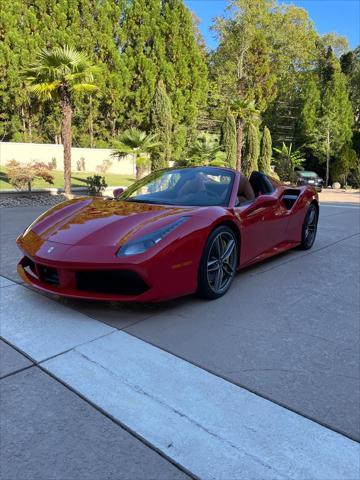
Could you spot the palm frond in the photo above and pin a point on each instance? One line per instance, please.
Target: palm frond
(44, 91)
(62, 66)
(83, 88)
(135, 141)
(120, 149)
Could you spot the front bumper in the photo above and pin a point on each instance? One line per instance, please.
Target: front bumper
(112, 284)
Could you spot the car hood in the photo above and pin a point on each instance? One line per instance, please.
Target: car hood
(101, 221)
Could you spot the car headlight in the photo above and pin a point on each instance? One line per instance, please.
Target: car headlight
(142, 244)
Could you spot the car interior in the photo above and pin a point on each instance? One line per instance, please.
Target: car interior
(249, 189)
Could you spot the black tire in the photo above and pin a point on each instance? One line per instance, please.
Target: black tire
(218, 263)
(309, 228)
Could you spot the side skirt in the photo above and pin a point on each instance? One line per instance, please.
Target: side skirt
(280, 248)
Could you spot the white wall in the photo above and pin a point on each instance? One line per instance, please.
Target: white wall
(27, 152)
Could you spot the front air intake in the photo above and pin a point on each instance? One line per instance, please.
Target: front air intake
(117, 282)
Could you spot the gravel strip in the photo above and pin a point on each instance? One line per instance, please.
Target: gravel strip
(30, 200)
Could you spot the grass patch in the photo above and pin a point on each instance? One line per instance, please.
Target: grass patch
(78, 179)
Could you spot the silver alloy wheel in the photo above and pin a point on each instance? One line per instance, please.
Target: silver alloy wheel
(311, 226)
(221, 262)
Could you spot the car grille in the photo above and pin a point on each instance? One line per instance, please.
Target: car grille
(120, 282)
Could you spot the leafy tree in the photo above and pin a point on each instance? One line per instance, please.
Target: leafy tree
(266, 152)
(162, 126)
(229, 138)
(22, 175)
(252, 150)
(344, 162)
(242, 64)
(136, 142)
(287, 160)
(334, 123)
(58, 75)
(311, 103)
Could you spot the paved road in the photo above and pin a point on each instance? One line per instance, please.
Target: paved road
(288, 329)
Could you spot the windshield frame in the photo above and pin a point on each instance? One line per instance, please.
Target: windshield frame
(126, 195)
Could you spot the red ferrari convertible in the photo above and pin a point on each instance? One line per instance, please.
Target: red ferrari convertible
(175, 232)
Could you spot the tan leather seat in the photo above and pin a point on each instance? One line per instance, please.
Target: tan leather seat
(245, 191)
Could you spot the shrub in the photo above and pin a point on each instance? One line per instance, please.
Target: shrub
(96, 184)
(21, 175)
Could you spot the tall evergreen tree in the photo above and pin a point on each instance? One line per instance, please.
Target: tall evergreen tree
(334, 124)
(311, 102)
(162, 126)
(229, 138)
(161, 42)
(266, 152)
(251, 150)
(350, 66)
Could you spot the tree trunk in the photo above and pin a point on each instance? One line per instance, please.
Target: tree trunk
(66, 137)
(327, 158)
(239, 142)
(91, 123)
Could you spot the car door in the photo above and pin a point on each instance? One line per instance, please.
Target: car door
(263, 223)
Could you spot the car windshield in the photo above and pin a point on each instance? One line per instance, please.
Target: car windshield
(308, 174)
(198, 186)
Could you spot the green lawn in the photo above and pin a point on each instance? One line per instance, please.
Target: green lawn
(78, 179)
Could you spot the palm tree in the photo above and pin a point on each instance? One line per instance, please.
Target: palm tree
(287, 160)
(57, 75)
(138, 143)
(206, 151)
(244, 112)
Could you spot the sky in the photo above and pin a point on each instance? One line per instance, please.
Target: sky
(339, 16)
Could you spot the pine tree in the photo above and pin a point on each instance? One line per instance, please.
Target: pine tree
(266, 152)
(229, 138)
(162, 126)
(251, 150)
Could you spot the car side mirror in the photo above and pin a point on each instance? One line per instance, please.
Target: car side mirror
(118, 191)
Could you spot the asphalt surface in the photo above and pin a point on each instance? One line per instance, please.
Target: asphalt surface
(287, 330)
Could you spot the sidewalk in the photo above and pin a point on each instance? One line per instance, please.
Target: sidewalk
(57, 410)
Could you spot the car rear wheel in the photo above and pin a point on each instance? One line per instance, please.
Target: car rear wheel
(309, 228)
(218, 263)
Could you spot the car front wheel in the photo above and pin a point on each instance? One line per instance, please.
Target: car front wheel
(218, 263)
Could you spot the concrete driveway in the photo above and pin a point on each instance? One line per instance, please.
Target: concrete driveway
(287, 330)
